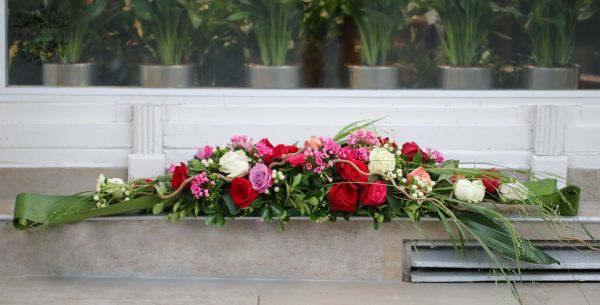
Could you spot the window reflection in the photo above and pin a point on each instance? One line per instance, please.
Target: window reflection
(377, 44)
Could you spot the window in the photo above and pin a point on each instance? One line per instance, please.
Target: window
(378, 44)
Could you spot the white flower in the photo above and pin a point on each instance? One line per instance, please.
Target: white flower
(117, 181)
(100, 182)
(235, 163)
(514, 191)
(381, 161)
(469, 191)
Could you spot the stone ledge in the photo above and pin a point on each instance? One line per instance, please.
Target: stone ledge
(113, 291)
(149, 246)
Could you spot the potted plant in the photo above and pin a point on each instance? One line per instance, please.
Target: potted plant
(550, 25)
(274, 23)
(322, 23)
(61, 31)
(464, 38)
(377, 21)
(167, 25)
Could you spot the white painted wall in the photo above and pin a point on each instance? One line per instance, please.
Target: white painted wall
(83, 127)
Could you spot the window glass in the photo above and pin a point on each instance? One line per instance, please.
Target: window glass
(360, 44)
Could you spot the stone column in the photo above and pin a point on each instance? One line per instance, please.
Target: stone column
(147, 158)
(548, 156)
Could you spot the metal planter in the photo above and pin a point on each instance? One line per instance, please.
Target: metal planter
(69, 74)
(273, 77)
(167, 76)
(374, 77)
(465, 78)
(551, 78)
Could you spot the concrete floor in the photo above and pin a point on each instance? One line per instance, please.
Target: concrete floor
(107, 291)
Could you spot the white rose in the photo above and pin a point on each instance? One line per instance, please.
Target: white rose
(381, 161)
(469, 191)
(115, 187)
(234, 163)
(514, 191)
(117, 181)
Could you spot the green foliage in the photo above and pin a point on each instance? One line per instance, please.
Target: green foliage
(465, 25)
(170, 22)
(550, 25)
(61, 30)
(273, 22)
(377, 22)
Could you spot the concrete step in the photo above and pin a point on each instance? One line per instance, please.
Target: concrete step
(150, 246)
(119, 291)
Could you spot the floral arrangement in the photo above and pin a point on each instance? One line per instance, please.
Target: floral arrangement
(356, 173)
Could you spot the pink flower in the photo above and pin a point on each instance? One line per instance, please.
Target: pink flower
(264, 148)
(205, 152)
(260, 178)
(241, 142)
(435, 154)
(198, 186)
(363, 137)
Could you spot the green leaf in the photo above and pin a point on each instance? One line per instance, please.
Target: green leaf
(395, 203)
(176, 206)
(266, 214)
(277, 211)
(297, 180)
(257, 204)
(313, 201)
(231, 207)
(501, 238)
(219, 220)
(158, 208)
(211, 219)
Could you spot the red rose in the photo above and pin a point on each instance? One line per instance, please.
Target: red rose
(297, 160)
(492, 181)
(373, 194)
(410, 149)
(281, 150)
(343, 197)
(241, 192)
(266, 142)
(179, 175)
(350, 174)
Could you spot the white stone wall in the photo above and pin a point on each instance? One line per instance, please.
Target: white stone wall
(117, 127)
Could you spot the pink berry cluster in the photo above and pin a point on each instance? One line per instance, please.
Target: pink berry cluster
(241, 142)
(435, 154)
(200, 185)
(317, 159)
(363, 138)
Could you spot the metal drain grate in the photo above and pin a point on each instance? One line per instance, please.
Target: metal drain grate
(426, 263)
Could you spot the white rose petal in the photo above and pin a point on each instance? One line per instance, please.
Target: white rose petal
(381, 161)
(469, 191)
(235, 164)
(514, 191)
(117, 181)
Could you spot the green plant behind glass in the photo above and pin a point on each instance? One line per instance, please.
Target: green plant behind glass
(274, 22)
(69, 29)
(170, 25)
(465, 25)
(377, 21)
(550, 25)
